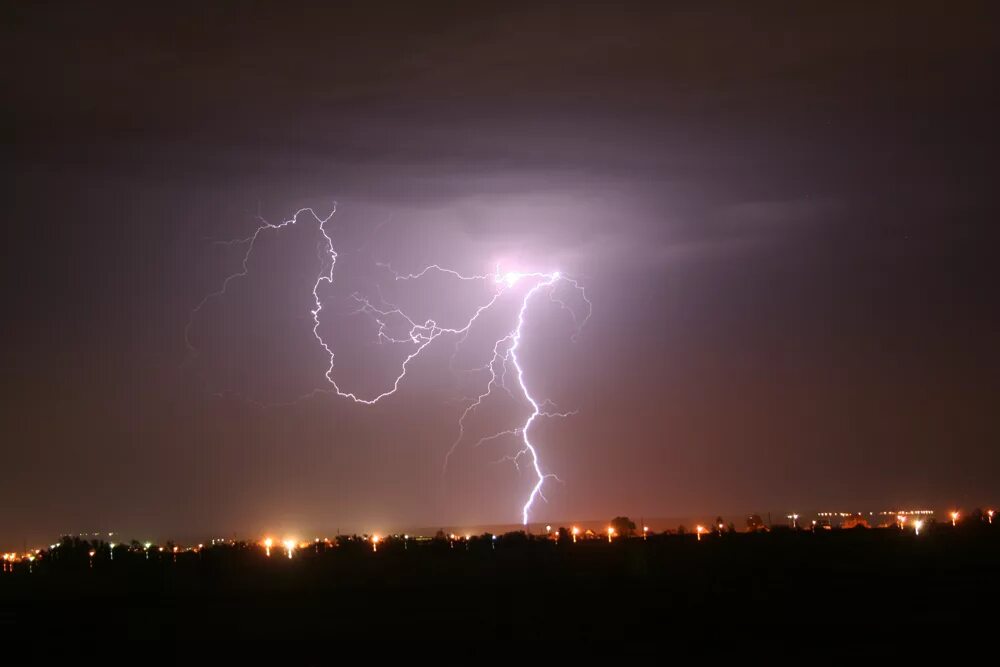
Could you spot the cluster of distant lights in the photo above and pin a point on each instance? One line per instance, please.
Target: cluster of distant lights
(576, 533)
(145, 548)
(845, 515)
(288, 546)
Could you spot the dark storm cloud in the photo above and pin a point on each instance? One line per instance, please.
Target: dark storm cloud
(784, 216)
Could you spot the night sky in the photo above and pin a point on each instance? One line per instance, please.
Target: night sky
(785, 217)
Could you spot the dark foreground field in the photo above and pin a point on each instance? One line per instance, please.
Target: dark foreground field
(666, 593)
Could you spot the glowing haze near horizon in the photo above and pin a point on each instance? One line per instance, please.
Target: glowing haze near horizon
(785, 218)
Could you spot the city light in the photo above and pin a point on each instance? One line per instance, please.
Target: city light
(900, 520)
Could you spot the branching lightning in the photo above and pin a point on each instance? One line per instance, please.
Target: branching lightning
(421, 334)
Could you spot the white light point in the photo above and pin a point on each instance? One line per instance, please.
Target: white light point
(511, 278)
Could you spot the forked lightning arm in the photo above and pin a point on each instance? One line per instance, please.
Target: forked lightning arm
(420, 335)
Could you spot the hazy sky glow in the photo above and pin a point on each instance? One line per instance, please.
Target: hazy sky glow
(785, 223)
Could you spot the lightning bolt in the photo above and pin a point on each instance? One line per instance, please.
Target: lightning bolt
(421, 334)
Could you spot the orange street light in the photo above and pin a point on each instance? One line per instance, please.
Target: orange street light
(954, 518)
(576, 531)
(699, 530)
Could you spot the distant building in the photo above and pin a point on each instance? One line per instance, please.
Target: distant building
(855, 521)
(842, 519)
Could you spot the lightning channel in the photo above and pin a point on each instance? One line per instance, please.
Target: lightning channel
(421, 334)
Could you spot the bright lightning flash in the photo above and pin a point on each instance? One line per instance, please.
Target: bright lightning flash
(422, 334)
